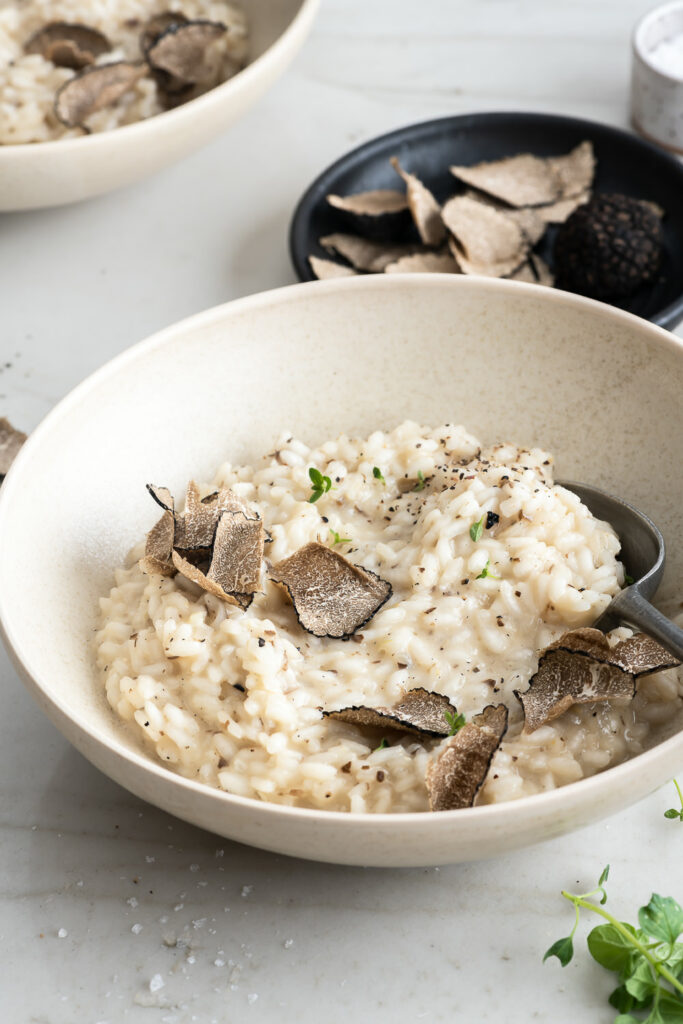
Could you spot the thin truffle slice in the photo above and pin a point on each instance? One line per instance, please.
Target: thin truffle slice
(158, 557)
(363, 253)
(376, 203)
(424, 263)
(95, 88)
(585, 640)
(68, 45)
(11, 441)
(522, 180)
(195, 528)
(182, 53)
(566, 677)
(487, 241)
(197, 575)
(331, 596)
(457, 774)
(325, 270)
(575, 171)
(557, 213)
(419, 711)
(237, 553)
(641, 655)
(157, 25)
(425, 210)
(162, 496)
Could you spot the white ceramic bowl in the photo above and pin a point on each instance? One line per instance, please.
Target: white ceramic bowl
(657, 95)
(598, 387)
(66, 170)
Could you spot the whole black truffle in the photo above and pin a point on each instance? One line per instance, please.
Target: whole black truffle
(609, 247)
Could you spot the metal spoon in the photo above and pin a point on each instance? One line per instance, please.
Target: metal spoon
(643, 554)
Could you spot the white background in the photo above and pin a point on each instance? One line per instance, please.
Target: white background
(77, 286)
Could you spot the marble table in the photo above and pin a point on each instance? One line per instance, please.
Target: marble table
(114, 912)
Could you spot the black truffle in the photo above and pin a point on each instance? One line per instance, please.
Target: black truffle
(609, 247)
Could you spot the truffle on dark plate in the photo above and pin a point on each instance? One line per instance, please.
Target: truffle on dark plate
(424, 209)
(376, 203)
(331, 596)
(458, 772)
(609, 247)
(419, 711)
(68, 45)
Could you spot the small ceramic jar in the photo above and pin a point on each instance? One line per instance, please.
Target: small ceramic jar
(657, 76)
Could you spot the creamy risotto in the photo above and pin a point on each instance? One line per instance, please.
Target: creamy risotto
(29, 82)
(488, 562)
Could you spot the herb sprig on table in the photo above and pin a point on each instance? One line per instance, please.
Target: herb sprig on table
(676, 812)
(320, 484)
(647, 960)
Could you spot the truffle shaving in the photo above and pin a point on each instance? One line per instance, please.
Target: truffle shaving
(371, 204)
(237, 553)
(183, 53)
(641, 655)
(424, 263)
(574, 172)
(68, 45)
(457, 774)
(162, 496)
(95, 88)
(197, 575)
(158, 556)
(487, 242)
(325, 270)
(11, 441)
(419, 711)
(424, 208)
(522, 180)
(557, 213)
(159, 24)
(195, 529)
(331, 596)
(364, 254)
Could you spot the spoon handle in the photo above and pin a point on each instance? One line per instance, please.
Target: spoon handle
(631, 607)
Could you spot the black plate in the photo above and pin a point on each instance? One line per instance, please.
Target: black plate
(625, 163)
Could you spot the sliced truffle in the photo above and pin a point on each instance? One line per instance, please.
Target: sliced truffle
(237, 553)
(424, 263)
(95, 88)
(157, 25)
(424, 209)
(565, 677)
(528, 180)
(486, 241)
(195, 528)
(530, 221)
(457, 774)
(376, 203)
(331, 596)
(162, 496)
(544, 274)
(11, 441)
(557, 213)
(68, 45)
(575, 171)
(641, 655)
(365, 254)
(609, 247)
(585, 640)
(182, 53)
(158, 557)
(419, 711)
(197, 575)
(325, 270)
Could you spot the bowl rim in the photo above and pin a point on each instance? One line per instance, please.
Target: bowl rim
(638, 45)
(302, 20)
(547, 803)
(668, 317)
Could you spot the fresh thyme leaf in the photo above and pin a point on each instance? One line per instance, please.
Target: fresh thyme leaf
(382, 745)
(321, 484)
(336, 539)
(455, 721)
(377, 473)
(628, 580)
(662, 918)
(476, 530)
(419, 486)
(675, 812)
(611, 948)
(563, 949)
(486, 573)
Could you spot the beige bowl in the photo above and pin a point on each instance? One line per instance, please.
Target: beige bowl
(66, 170)
(598, 387)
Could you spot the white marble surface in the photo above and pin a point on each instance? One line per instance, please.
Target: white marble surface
(235, 934)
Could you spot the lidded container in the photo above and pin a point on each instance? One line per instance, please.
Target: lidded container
(657, 76)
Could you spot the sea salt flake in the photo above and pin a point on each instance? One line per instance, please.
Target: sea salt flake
(156, 982)
(246, 891)
(136, 929)
(288, 943)
(132, 902)
(62, 933)
(194, 867)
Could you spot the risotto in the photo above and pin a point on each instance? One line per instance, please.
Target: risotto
(487, 563)
(30, 82)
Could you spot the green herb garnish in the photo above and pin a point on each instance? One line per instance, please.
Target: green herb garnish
(321, 484)
(419, 486)
(647, 960)
(676, 812)
(455, 721)
(486, 573)
(476, 530)
(628, 580)
(336, 539)
(378, 475)
(382, 745)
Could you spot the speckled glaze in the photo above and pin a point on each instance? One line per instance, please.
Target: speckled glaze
(598, 387)
(657, 97)
(66, 170)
